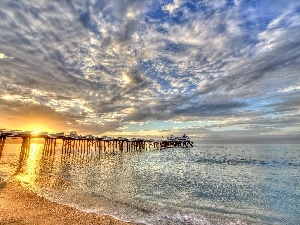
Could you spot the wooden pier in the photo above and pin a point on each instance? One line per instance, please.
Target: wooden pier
(74, 144)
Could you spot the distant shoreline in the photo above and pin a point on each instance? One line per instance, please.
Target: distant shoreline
(19, 206)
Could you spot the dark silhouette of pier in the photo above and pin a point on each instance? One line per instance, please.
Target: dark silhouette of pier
(74, 144)
(2, 142)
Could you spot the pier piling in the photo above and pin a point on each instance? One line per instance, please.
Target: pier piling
(2, 142)
(74, 144)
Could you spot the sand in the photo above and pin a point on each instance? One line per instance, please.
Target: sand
(21, 206)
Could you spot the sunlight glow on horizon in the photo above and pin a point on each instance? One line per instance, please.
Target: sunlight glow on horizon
(36, 128)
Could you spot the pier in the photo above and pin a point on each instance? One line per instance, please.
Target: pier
(74, 144)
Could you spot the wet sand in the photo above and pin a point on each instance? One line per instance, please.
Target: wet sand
(20, 206)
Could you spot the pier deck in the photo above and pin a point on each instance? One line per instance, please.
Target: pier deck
(74, 144)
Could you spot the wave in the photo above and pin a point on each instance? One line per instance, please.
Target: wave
(253, 162)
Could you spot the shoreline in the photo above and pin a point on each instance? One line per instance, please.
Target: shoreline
(19, 206)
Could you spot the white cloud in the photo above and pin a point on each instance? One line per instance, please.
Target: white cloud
(106, 62)
(171, 7)
(289, 89)
(3, 56)
(18, 98)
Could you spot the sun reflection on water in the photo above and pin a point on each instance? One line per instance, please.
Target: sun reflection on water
(28, 174)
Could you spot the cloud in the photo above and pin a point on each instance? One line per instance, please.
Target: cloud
(290, 89)
(211, 109)
(105, 64)
(289, 103)
(2, 56)
(171, 7)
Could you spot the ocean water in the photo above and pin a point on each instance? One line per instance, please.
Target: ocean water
(206, 184)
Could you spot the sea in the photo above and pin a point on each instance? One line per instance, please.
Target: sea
(205, 184)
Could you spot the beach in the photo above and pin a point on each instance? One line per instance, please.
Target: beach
(21, 206)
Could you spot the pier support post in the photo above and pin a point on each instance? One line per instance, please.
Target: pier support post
(25, 147)
(2, 142)
(49, 146)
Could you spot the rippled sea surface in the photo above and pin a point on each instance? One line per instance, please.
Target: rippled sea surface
(207, 184)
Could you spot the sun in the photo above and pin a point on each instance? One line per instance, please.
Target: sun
(36, 128)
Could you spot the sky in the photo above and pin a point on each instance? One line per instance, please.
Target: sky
(220, 71)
